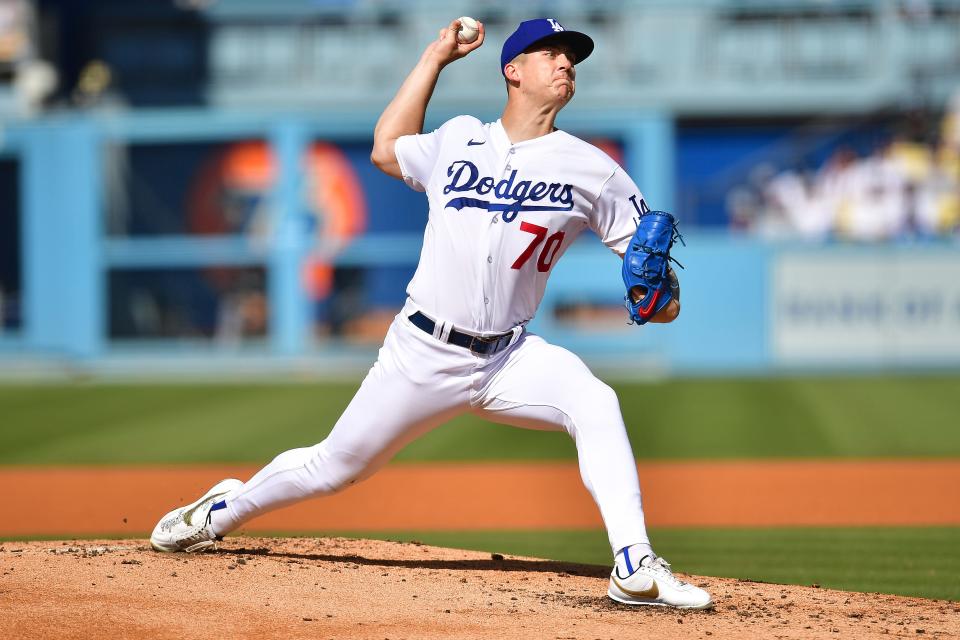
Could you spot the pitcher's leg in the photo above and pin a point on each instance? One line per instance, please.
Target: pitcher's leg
(390, 409)
(545, 386)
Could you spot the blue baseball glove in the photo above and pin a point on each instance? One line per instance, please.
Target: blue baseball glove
(650, 282)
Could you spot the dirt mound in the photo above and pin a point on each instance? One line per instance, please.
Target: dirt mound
(338, 588)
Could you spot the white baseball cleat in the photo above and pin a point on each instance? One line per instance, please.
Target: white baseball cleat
(188, 528)
(653, 583)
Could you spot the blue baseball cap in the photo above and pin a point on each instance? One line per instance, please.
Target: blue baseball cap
(531, 32)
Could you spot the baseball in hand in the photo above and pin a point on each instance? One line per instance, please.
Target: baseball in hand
(469, 29)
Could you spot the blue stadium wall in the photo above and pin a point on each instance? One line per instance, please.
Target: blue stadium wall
(749, 306)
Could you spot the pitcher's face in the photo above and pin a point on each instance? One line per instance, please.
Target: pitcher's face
(546, 70)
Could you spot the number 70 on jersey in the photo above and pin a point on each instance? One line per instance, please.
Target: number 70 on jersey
(548, 251)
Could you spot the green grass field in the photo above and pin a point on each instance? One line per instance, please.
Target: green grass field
(808, 417)
(679, 419)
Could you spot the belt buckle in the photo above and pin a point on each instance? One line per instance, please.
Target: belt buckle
(484, 345)
(470, 344)
(490, 345)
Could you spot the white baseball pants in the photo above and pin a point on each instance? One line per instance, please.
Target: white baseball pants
(418, 383)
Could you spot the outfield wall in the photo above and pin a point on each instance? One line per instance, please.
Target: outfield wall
(755, 306)
(749, 305)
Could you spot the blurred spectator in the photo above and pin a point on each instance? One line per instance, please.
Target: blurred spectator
(907, 189)
(801, 205)
(93, 84)
(875, 205)
(232, 194)
(243, 311)
(943, 188)
(14, 33)
(746, 202)
(33, 79)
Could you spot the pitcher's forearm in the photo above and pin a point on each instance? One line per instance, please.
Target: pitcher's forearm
(405, 113)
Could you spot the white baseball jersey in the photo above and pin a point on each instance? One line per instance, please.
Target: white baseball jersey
(502, 214)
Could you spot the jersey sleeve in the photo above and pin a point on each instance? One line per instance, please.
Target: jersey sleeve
(417, 156)
(617, 211)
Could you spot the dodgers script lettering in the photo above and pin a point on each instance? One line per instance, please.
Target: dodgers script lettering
(465, 177)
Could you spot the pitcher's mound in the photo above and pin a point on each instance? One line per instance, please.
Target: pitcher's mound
(339, 588)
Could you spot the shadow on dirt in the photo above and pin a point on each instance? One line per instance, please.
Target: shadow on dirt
(495, 563)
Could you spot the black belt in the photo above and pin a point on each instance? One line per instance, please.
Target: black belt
(483, 346)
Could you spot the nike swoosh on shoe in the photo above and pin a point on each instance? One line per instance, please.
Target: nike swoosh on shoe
(653, 591)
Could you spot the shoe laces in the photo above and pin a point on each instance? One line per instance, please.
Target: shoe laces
(200, 535)
(662, 568)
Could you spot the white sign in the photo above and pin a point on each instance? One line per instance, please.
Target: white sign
(888, 306)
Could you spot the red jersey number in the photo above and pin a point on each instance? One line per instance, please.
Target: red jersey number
(547, 254)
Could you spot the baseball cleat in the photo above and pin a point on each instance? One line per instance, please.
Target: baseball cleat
(653, 583)
(188, 528)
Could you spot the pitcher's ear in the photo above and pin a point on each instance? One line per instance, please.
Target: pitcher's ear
(510, 72)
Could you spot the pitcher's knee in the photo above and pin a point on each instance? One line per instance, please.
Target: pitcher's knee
(597, 404)
(603, 395)
(336, 470)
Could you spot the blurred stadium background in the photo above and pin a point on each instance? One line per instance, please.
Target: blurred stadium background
(185, 194)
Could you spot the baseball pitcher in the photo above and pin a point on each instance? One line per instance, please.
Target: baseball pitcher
(506, 199)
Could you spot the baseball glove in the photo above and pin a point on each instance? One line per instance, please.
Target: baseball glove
(650, 282)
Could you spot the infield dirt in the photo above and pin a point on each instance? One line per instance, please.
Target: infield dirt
(338, 588)
(126, 502)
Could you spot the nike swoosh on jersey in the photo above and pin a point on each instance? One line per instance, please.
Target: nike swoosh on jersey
(651, 592)
(472, 143)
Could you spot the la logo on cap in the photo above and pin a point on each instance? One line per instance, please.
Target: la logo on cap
(556, 25)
